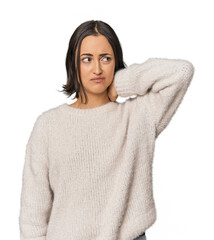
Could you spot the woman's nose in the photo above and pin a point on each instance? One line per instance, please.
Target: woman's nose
(97, 67)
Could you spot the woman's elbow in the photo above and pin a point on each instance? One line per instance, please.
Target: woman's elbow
(187, 70)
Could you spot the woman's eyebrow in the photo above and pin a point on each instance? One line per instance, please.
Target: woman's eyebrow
(102, 54)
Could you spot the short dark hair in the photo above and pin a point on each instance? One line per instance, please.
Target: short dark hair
(94, 28)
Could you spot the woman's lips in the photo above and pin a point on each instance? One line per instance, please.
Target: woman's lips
(97, 79)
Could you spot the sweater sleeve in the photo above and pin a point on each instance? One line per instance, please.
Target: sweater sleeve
(36, 194)
(160, 83)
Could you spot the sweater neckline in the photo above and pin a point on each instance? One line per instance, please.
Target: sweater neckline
(103, 108)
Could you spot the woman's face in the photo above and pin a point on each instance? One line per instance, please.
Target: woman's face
(93, 64)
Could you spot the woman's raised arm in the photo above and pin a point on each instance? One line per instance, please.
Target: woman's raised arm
(160, 83)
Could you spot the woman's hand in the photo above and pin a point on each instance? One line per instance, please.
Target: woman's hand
(112, 93)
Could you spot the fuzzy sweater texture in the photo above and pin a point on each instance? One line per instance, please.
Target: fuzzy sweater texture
(88, 172)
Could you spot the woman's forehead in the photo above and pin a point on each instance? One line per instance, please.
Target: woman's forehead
(95, 45)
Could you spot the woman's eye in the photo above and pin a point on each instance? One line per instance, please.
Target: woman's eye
(84, 59)
(108, 58)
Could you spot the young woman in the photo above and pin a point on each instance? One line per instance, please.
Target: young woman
(88, 165)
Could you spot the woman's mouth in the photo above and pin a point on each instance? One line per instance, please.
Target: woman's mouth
(97, 79)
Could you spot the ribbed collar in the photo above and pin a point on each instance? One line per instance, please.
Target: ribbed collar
(103, 108)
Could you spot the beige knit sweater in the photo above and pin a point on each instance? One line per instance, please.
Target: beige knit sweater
(88, 172)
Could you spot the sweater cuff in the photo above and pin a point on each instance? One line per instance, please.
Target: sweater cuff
(123, 83)
(37, 238)
(125, 79)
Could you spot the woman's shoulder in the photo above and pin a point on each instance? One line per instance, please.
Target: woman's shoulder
(134, 101)
(50, 113)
